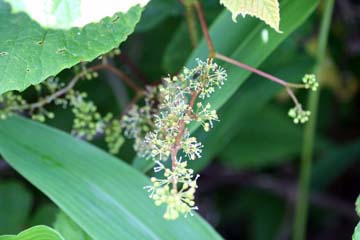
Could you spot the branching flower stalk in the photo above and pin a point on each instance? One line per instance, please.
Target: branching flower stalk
(88, 122)
(170, 138)
(309, 81)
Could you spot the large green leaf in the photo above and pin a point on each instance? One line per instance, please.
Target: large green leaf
(35, 233)
(356, 235)
(29, 53)
(103, 195)
(265, 139)
(15, 206)
(266, 10)
(65, 14)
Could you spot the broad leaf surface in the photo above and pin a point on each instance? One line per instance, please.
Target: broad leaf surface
(35, 233)
(65, 14)
(29, 53)
(266, 10)
(104, 195)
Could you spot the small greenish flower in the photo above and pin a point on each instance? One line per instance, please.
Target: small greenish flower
(177, 200)
(177, 108)
(299, 115)
(113, 134)
(87, 121)
(310, 82)
(10, 103)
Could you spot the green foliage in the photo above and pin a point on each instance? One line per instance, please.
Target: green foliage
(66, 14)
(38, 233)
(44, 215)
(266, 10)
(356, 235)
(333, 163)
(100, 189)
(261, 140)
(160, 116)
(45, 52)
(69, 229)
(15, 206)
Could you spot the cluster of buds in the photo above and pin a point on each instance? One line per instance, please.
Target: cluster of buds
(177, 108)
(299, 115)
(9, 102)
(139, 120)
(87, 121)
(177, 200)
(310, 82)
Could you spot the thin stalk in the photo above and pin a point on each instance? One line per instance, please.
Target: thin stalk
(205, 30)
(191, 22)
(309, 132)
(287, 85)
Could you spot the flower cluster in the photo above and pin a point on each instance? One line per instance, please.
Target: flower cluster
(177, 108)
(310, 82)
(113, 134)
(138, 121)
(299, 115)
(10, 102)
(178, 201)
(87, 122)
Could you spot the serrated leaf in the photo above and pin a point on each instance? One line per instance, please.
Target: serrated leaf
(35, 233)
(29, 53)
(356, 235)
(104, 195)
(65, 14)
(266, 10)
(357, 205)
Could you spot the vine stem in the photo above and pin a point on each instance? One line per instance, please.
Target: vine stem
(191, 22)
(287, 85)
(182, 124)
(204, 27)
(73, 82)
(214, 54)
(299, 231)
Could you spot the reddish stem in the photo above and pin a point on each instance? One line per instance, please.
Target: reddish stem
(182, 124)
(127, 80)
(126, 60)
(204, 27)
(263, 74)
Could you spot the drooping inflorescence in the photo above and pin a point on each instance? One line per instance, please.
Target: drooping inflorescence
(87, 122)
(170, 137)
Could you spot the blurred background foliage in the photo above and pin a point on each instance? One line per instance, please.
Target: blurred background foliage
(250, 164)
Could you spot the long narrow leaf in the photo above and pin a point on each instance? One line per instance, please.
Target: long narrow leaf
(102, 194)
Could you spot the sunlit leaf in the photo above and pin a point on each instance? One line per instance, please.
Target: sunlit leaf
(266, 10)
(66, 14)
(35, 233)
